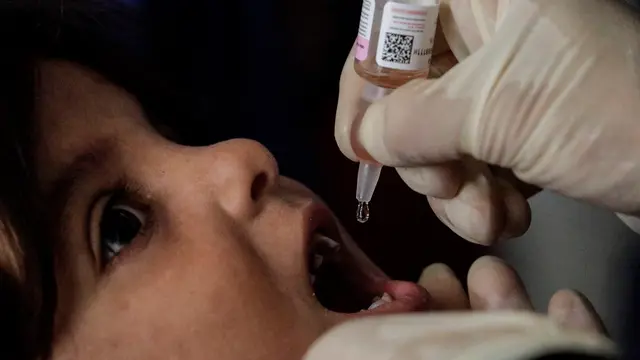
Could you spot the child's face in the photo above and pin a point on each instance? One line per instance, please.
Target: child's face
(173, 252)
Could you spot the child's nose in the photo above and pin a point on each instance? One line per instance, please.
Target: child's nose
(241, 172)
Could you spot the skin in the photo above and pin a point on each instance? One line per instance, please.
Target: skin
(220, 270)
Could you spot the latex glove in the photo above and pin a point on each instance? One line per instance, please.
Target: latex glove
(460, 336)
(487, 333)
(549, 90)
(493, 285)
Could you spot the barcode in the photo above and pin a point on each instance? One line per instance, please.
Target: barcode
(397, 48)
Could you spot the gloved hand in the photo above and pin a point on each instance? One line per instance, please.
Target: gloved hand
(451, 335)
(501, 325)
(494, 286)
(549, 90)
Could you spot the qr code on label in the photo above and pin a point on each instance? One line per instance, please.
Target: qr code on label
(397, 48)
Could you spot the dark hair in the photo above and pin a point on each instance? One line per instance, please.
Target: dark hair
(107, 36)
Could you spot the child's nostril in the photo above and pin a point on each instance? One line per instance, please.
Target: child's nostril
(259, 185)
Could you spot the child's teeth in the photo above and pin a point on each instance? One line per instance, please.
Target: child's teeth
(377, 301)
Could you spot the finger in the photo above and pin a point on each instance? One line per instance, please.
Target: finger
(527, 190)
(467, 24)
(430, 121)
(444, 287)
(452, 30)
(440, 181)
(573, 310)
(516, 209)
(390, 121)
(460, 26)
(494, 285)
(486, 15)
(477, 211)
(349, 108)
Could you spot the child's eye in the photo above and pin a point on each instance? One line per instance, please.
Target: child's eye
(119, 226)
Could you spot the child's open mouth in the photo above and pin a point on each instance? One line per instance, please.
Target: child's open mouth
(345, 281)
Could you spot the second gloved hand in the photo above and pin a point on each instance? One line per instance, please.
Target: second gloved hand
(550, 90)
(494, 319)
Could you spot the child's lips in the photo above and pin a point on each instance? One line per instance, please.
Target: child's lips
(406, 297)
(357, 271)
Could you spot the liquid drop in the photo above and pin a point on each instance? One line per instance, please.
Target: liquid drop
(362, 214)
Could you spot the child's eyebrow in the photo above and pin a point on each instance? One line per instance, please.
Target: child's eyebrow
(91, 159)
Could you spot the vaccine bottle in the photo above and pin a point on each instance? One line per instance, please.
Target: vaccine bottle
(394, 46)
(395, 40)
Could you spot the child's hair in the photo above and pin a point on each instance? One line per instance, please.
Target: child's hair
(106, 36)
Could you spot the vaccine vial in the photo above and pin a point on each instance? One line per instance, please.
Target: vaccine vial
(395, 40)
(394, 46)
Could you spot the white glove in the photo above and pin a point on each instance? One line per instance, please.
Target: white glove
(547, 89)
(460, 336)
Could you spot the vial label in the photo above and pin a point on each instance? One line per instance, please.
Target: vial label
(364, 31)
(406, 36)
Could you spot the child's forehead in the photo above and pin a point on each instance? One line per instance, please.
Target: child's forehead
(71, 95)
(76, 108)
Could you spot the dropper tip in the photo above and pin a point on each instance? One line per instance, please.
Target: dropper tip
(362, 213)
